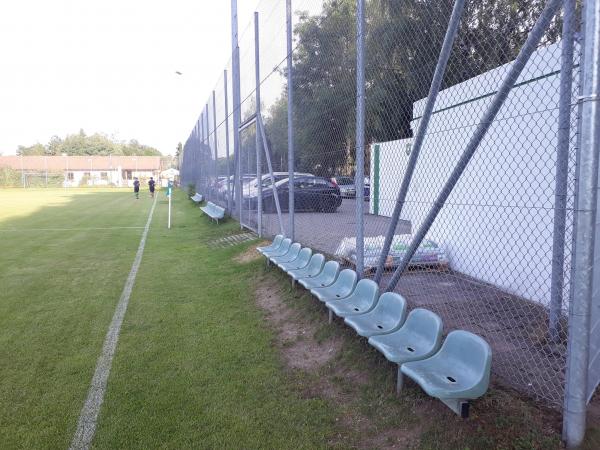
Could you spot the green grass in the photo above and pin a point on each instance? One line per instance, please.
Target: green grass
(196, 365)
(59, 291)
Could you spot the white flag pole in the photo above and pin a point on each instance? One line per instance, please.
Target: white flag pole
(170, 194)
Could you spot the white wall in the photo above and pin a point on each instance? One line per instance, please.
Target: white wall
(497, 224)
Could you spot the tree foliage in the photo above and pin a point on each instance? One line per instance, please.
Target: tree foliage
(403, 42)
(81, 144)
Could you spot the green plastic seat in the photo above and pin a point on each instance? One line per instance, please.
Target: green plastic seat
(279, 251)
(362, 300)
(419, 338)
(312, 269)
(274, 245)
(459, 372)
(342, 287)
(388, 315)
(327, 277)
(291, 254)
(299, 263)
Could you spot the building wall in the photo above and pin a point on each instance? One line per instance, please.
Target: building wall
(112, 178)
(497, 224)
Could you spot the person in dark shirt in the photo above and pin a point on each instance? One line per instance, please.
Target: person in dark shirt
(151, 186)
(136, 187)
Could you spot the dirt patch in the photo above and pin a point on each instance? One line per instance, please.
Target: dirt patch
(249, 255)
(326, 376)
(296, 338)
(331, 363)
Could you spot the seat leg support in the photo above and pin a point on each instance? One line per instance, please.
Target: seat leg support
(399, 381)
(459, 406)
(330, 316)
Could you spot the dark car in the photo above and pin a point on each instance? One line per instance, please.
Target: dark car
(310, 194)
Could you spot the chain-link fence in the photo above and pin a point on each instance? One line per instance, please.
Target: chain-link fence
(468, 189)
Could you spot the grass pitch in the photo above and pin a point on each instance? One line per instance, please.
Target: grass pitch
(194, 366)
(197, 364)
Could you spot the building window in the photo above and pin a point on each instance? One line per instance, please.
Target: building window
(70, 176)
(104, 175)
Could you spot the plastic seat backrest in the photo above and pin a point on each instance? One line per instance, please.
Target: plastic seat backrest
(469, 351)
(366, 292)
(276, 241)
(330, 271)
(346, 279)
(315, 265)
(285, 246)
(425, 324)
(392, 305)
(303, 257)
(294, 250)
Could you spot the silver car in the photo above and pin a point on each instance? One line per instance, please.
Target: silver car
(346, 185)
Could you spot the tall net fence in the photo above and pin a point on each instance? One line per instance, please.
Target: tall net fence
(492, 230)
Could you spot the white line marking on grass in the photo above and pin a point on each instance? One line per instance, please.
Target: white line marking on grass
(86, 426)
(71, 229)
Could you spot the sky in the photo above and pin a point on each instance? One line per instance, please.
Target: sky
(109, 66)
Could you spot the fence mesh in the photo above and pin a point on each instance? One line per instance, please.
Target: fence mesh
(486, 263)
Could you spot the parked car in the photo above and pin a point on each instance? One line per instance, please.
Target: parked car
(346, 185)
(310, 194)
(250, 187)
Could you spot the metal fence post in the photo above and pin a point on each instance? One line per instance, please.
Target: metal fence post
(574, 415)
(436, 82)
(498, 100)
(199, 162)
(290, 118)
(206, 152)
(562, 170)
(215, 141)
(228, 181)
(235, 80)
(359, 177)
(257, 140)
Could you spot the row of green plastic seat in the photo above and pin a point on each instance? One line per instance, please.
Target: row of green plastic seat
(454, 372)
(213, 211)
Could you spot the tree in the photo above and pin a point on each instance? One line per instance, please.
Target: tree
(403, 42)
(34, 150)
(82, 145)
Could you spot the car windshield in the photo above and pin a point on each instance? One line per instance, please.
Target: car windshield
(344, 180)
